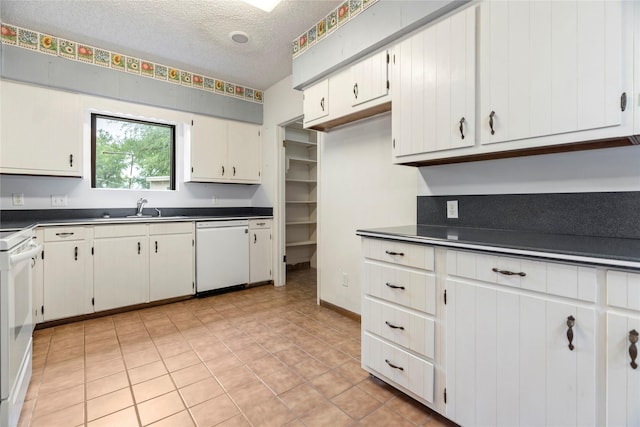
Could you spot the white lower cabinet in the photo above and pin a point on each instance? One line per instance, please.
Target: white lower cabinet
(260, 258)
(171, 260)
(121, 266)
(399, 316)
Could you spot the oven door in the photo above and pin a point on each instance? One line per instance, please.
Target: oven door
(16, 326)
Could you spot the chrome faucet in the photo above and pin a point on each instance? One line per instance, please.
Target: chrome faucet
(141, 203)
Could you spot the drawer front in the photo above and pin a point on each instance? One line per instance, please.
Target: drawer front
(407, 254)
(567, 280)
(402, 327)
(408, 371)
(256, 224)
(410, 288)
(62, 234)
(170, 228)
(107, 231)
(623, 289)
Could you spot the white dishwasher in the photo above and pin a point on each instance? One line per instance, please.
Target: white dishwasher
(222, 254)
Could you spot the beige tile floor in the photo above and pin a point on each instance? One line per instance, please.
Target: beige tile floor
(263, 356)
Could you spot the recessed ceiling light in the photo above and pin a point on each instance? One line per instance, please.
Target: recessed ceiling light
(239, 36)
(266, 5)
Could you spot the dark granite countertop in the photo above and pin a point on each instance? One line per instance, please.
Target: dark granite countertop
(606, 251)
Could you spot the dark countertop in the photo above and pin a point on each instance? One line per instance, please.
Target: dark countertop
(606, 251)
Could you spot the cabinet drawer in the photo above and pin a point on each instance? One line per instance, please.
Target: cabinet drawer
(61, 234)
(414, 289)
(255, 224)
(107, 231)
(407, 254)
(402, 327)
(410, 372)
(170, 228)
(623, 289)
(565, 280)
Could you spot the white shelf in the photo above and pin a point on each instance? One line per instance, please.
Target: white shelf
(307, 181)
(306, 144)
(301, 202)
(302, 160)
(303, 243)
(301, 222)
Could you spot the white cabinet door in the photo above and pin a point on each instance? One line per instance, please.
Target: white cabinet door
(41, 131)
(369, 79)
(623, 381)
(509, 361)
(315, 103)
(170, 266)
(121, 272)
(244, 147)
(207, 150)
(549, 67)
(433, 90)
(65, 287)
(259, 255)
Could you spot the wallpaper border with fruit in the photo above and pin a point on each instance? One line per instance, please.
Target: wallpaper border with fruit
(347, 10)
(52, 45)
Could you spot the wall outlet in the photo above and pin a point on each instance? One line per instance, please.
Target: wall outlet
(58, 201)
(452, 209)
(345, 280)
(18, 199)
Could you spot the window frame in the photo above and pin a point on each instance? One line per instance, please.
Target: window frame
(172, 128)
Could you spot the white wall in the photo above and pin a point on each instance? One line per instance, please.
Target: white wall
(359, 188)
(282, 105)
(610, 169)
(38, 190)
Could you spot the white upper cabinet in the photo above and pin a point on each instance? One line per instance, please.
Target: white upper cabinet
(316, 101)
(433, 85)
(550, 67)
(223, 151)
(41, 132)
(369, 79)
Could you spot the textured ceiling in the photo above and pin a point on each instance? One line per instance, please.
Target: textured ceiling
(188, 34)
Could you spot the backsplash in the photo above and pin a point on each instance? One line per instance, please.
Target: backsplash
(50, 45)
(603, 214)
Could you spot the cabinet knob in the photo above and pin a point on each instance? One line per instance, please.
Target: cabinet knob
(491, 115)
(633, 350)
(571, 321)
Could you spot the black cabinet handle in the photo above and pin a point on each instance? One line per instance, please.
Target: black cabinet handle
(139, 248)
(234, 171)
(571, 321)
(461, 123)
(255, 238)
(64, 234)
(223, 170)
(156, 246)
(623, 101)
(392, 326)
(70, 160)
(75, 253)
(493, 113)
(394, 253)
(394, 286)
(322, 103)
(394, 366)
(355, 90)
(633, 350)
(508, 273)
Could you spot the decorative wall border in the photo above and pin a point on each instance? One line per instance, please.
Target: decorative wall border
(348, 10)
(51, 45)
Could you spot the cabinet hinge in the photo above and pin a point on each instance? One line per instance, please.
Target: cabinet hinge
(445, 395)
(394, 143)
(193, 285)
(259, 133)
(445, 297)
(193, 242)
(42, 255)
(387, 57)
(284, 258)
(394, 58)
(284, 144)
(259, 173)
(269, 236)
(93, 301)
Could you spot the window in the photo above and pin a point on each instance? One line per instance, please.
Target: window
(132, 154)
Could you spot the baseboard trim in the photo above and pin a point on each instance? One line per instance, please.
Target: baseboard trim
(350, 314)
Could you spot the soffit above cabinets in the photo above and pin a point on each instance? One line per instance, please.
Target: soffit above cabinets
(191, 35)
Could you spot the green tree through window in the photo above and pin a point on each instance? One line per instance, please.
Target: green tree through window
(130, 154)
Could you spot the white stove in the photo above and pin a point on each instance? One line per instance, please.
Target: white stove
(17, 252)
